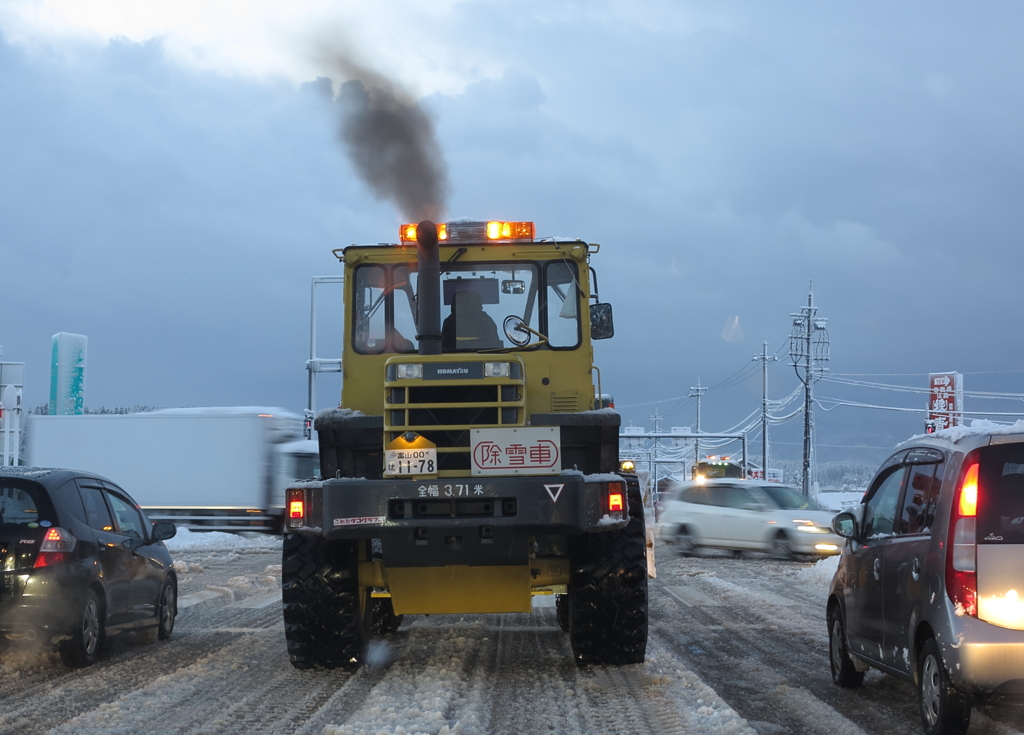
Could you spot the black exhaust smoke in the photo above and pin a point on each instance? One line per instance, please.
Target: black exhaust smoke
(393, 146)
(392, 143)
(428, 286)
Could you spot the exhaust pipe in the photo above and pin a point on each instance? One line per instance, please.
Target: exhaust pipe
(428, 289)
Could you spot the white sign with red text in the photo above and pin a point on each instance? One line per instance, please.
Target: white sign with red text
(530, 450)
(945, 399)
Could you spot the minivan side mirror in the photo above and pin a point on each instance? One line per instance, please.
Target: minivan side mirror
(845, 524)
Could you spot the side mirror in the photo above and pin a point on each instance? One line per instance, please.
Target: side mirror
(845, 524)
(601, 326)
(759, 507)
(163, 531)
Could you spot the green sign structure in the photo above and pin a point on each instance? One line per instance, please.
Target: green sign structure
(67, 374)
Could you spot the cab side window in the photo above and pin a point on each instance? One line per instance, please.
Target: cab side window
(880, 515)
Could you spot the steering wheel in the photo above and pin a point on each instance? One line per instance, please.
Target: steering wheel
(516, 330)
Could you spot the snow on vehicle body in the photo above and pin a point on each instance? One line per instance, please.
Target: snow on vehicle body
(470, 472)
(223, 469)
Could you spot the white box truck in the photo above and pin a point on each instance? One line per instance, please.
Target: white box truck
(223, 469)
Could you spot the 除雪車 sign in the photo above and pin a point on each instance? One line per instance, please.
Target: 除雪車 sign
(530, 450)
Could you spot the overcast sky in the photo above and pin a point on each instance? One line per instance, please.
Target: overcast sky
(171, 178)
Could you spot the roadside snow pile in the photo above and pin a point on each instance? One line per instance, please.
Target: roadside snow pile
(840, 500)
(820, 574)
(187, 540)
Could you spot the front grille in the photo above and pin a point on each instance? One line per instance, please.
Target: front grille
(444, 411)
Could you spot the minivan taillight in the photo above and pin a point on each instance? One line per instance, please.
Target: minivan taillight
(962, 550)
(56, 548)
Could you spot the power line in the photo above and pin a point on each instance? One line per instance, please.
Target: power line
(992, 395)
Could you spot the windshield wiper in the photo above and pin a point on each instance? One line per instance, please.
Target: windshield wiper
(455, 256)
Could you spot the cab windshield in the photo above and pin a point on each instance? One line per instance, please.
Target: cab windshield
(481, 306)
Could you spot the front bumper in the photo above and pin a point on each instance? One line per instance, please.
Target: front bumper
(816, 544)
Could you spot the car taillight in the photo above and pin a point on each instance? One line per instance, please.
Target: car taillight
(296, 508)
(961, 553)
(56, 547)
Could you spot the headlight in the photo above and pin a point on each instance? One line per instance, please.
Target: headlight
(496, 369)
(410, 371)
(813, 529)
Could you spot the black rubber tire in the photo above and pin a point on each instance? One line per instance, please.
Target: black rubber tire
(81, 649)
(780, 547)
(167, 609)
(385, 622)
(608, 592)
(562, 612)
(686, 542)
(945, 710)
(844, 673)
(327, 615)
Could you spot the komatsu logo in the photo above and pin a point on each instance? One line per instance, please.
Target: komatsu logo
(453, 371)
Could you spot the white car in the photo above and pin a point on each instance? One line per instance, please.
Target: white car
(746, 515)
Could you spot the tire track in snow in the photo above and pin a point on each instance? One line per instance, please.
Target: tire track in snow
(761, 653)
(245, 686)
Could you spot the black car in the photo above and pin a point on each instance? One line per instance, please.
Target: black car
(79, 560)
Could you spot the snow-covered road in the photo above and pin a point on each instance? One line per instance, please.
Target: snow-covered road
(736, 646)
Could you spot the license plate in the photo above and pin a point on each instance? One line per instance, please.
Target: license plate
(410, 462)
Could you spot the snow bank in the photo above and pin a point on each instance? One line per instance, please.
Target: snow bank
(187, 540)
(820, 574)
(840, 501)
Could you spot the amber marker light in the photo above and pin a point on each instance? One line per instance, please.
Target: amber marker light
(407, 233)
(509, 230)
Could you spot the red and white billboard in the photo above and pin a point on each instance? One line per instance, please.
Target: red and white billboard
(945, 399)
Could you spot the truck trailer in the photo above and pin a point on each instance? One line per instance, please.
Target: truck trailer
(472, 463)
(209, 469)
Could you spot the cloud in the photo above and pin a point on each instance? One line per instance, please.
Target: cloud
(262, 39)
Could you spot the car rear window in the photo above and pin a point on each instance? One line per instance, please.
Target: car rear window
(23, 506)
(1001, 495)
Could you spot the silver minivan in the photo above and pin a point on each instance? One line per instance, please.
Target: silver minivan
(930, 584)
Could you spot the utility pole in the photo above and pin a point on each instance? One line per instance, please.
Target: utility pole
(654, 464)
(808, 352)
(697, 392)
(765, 359)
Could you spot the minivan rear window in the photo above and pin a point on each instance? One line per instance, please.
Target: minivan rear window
(1001, 495)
